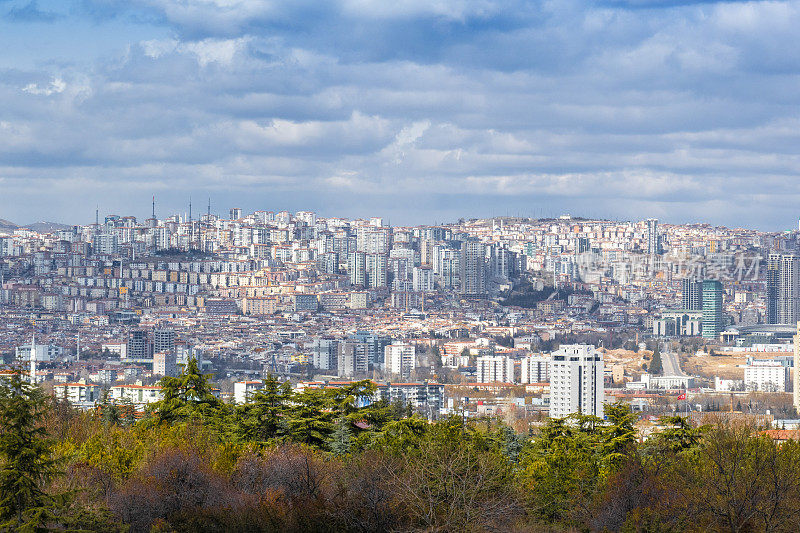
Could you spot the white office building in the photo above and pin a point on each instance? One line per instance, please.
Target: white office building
(400, 359)
(765, 375)
(495, 369)
(576, 381)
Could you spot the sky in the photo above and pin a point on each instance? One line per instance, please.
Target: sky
(421, 111)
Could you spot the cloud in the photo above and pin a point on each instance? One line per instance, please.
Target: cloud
(683, 110)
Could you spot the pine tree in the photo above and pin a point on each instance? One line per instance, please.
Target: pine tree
(261, 418)
(26, 456)
(655, 363)
(308, 420)
(186, 396)
(341, 440)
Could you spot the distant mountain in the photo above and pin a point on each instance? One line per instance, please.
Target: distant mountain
(6, 225)
(46, 227)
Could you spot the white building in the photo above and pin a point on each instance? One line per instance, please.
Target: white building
(165, 364)
(400, 359)
(495, 369)
(138, 395)
(422, 279)
(44, 352)
(535, 369)
(79, 394)
(244, 390)
(576, 381)
(765, 375)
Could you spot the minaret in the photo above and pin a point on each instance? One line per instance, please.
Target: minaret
(154, 207)
(33, 357)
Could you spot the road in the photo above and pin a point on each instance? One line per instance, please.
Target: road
(670, 364)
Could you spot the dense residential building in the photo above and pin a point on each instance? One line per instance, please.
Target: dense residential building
(400, 359)
(576, 381)
(472, 264)
(535, 368)
(353, 359)
(495, 369)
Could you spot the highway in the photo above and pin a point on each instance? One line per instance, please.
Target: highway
(670, 364)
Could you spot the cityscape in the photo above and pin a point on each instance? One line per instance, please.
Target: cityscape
(356, 266)
(480, 317)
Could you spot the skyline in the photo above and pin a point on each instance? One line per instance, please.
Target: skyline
(420, 112)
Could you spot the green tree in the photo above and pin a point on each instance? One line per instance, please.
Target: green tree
(27, 461)
(262, 418)
(187, 396)
(341, 440)
(655, 364)
(309, 417)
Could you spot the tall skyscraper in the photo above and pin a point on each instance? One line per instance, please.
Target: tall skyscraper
(691, 294)
(783, 289)
(796, 372)
(712, 308)
(653, 238)
(773, 288)
(357, 268)
(789, 290)
(236, 213)
(473, 269)
(576, 381)
(376, 267)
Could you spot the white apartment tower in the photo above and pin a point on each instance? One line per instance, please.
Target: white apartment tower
(576, 381)
(535, 369)
(495, 369)
(399, 359)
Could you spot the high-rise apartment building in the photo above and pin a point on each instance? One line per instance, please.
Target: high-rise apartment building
(139, 345)
(400, 359)
(324, 354)
(576, 381)
(236, 213)
(782, 297)
(163, 340)
(495, 369)
(353, 358)
(357, 268)
(691, 294)
(535, 369)
(789, 289)
(473, 269)
(376, 269)
(165, 364)
(712, 308)
(773, 288)
(653, 238)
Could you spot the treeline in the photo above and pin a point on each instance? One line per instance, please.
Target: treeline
(324, 460)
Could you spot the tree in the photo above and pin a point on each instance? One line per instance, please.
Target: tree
(261, 419)
(308, 420)
(341, 440)
(26, 456)
(186, 396)
(655, 364)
